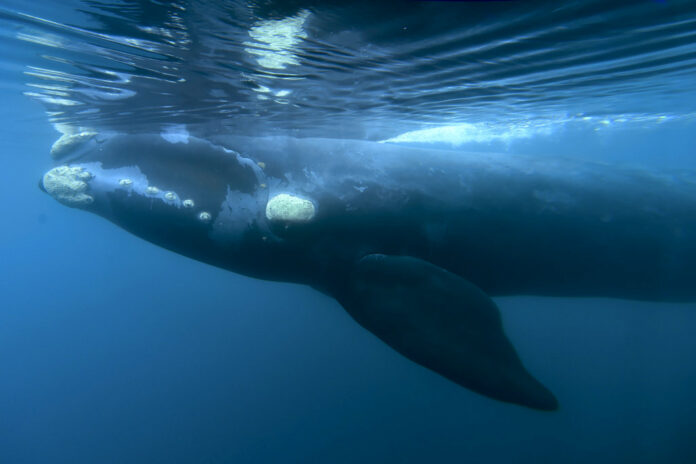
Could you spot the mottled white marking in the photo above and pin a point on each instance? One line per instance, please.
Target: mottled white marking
(238, 213)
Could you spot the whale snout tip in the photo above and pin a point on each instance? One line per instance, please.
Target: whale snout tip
(68, 185)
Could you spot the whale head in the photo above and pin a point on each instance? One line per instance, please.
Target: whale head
(187, 195)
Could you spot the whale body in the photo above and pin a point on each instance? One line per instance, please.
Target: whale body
(411, 242)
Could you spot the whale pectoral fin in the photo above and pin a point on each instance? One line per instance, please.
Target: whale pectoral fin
(443, 322)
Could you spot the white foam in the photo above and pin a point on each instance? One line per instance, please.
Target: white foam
(473, 133)
(175, 134)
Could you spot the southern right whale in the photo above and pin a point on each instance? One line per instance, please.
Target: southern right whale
(412, 242)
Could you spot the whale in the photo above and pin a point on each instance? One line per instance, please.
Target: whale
(412, 242)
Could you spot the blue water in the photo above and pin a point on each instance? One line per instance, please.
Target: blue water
(113, 350)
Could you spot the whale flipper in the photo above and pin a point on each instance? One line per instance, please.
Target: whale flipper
(443, 322)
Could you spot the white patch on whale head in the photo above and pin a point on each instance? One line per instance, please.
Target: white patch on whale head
(69, 142)
(68, 185)
(289, 208)
(64, 182)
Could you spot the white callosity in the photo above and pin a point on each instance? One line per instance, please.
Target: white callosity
(289, 208)
(68, 185)
(67, 142)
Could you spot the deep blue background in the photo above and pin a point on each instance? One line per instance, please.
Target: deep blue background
(113, 350)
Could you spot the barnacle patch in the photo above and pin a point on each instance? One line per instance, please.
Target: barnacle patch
(68, 142)
(289, 208)
(152, 190)
(204, 216)
(68, 185)
(125, 182)
(171, 196)
(188, 203)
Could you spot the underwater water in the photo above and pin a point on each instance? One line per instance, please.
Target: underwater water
(115, 350)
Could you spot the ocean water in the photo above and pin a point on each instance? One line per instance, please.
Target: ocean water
(113, 350)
